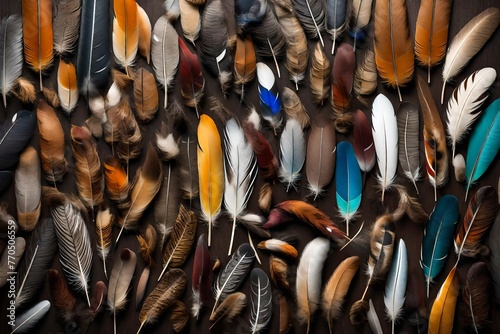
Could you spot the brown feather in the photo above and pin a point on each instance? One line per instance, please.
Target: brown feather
(181, 239)
(475, 297)
(344, 65)
(436, 153)
(365, 77)
(392, 43)
(89, 178)
(245, 64)
(167, 291)
(294, 108)
(117, 184)
(285, 321)
(319, 75)
(178, 316)
(51, 143)
(51, 97)
(98, 300)
(145, 95)
(146, 184)
(265, 197)
(62, 298)
(28, 189)
(278, 270)
(38, 35)
(141, 287)
(24, 90)
(230, 308)
(104, 229)
(147, 244)
(431, 32)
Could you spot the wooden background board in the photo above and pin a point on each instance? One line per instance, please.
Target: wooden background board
(371, 207)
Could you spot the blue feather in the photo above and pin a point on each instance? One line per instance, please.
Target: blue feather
(270, 101)
(348, 182)
(484, 144)
(93, 47)
(438, 237)
(249, 11)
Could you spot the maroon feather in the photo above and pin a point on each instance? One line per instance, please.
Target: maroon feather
(191, 77)
(202, 269)
(364, 149)
(344, 65)
(265, 157)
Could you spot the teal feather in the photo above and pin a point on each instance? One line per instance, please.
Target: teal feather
(348, 182)
(438, 237)
(483, 145)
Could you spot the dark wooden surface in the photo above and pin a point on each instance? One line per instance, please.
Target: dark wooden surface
(371, 207)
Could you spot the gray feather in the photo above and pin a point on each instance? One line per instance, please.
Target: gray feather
(66, 25)
(311, 15)
(262, 300)
(336, 15)
(292, 153)
(26, 321)
(11, 53)
(266, 32)
(408, 133)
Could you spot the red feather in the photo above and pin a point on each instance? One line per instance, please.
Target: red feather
(201, 278)
(191, 78)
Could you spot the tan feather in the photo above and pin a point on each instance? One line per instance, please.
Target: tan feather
(66, 25)
(181, 239)
(265, 197)
(146, 184)
(144, 33)
(294, 108)
(319, 75)
(51, 143)
(230, 308)
(24, 90)
(166, 292)
(141, 287)
(147, 244)
(392, 44)
(285, 321)
(278, 270)
(190, 20)
(28, 189)
(104, 229)
(178, 316)
(51, 97)
(145, 95)
(365, 77)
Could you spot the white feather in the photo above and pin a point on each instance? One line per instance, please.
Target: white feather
(395, 286)
(373, 319)
(265, 76)
(167, 145)
(254, 118)
(114, 95)
(292, 153)
(240, 172)
(463, 106)
(26, 321)
(385, 138)
(11, 53)
(308, 282)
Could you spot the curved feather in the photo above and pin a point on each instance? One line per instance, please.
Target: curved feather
(465, 103)
(269, 96)
(438, 236)
(294, 109)
(484, 144)
(308, 282)
(66, 25)
(164, 53)
(393, 46)
(26, 321)
(443, 308)
(93, 60)
(117, 184)
(201, 276)
(262, 300)
(373, 319)
(348, 184)
(360, 17)
(103, 232)
(292, 153)
(11, 53)
(469, 40)
(395, 286)
(14, 135)
(75, 249)
(210, 171)
(67, 88)
(28, 189)
(364, 148)
(311, 15)
(385, 138)
(409, 139)
(336, 15)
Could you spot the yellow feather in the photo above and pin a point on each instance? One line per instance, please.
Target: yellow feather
(443, 309)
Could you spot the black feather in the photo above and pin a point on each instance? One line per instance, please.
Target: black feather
(14, 136)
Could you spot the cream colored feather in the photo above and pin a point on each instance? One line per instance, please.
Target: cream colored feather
(190, 20)
(28, 189)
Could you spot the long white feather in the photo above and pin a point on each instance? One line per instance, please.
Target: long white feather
(463, 105)
(26, 321)
(308, 282)
(11, 53)
(292, 153)
(240, 172)
(395, 286)
(469, 40)
(385, 138)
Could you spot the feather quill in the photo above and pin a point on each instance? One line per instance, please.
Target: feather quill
(431, 32)
(145, 95)
(14, 135)
(344, 65)
(93, 60)
(191, 79)
(469, 40)
(37, 260)
(364, 149)
(438, 236)
(26, 321)
(28, 189)
(320, 150)
(475, 297)
(484, 144)
(308, 282)
(165, 54)
(66, 25)
(11, 53)
(319, 75)
(119, 282)
(103, 229)
(75, 249)
(360, 17)
(62, 298)
(201, 276)
(167, 291)
(336, 23)
(269, 96)
(385, 138)
(38, 35)
(67, 88)
(190, 20)
(336, 289)
(365, 77)
(262, 301)
(245, 64)
(210, 171)
(292, 154)
(408, 140)
(465, 103)
(348, 183)
(125, 32)
(311, 15)
(213, 44)
(144, 26)
(436, 154)
(393, 46)
(443, 308)
(395, 287)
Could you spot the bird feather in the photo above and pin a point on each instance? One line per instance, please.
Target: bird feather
(319, 75)
(292, 153)
(28, 189)
(201, 276)
(14, 135)
(364, 149)
(408, 140)
(395, 286)
(443, 309)
(27, 320)
(11, 53)
(67, 87)
(336, 23)
(66, 25)
(262, 300)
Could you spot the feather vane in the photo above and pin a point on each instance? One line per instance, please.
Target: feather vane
(443, 308)
(292, 153)
(262, 300)
(28, 189)
(11, 53)
(409, 139)
(66, 25)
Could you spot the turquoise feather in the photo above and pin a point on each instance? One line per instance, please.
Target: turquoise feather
(348, 182)
(438, 237)
(483, 145)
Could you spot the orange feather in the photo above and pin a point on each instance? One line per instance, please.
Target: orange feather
(144, 33)
(392, 44)
(67, 88)
(117, 183)
(125, 32)
(443, 308)
(245, 64)
(38, 35)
